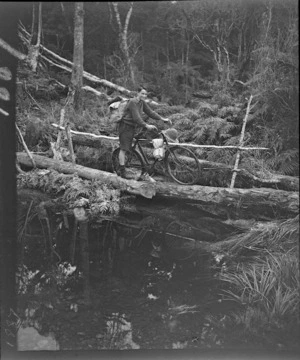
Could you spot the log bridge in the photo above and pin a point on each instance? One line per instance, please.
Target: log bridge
(247, 203)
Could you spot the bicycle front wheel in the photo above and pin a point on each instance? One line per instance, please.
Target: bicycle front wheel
(133, 163)
(182, 165)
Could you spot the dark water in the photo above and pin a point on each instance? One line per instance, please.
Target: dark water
(139, 282)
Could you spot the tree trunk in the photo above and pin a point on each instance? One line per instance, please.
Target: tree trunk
(34, 49)
(123, 35)
(260, 202)
(77, 73)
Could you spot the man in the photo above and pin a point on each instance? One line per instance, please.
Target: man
(132, 120)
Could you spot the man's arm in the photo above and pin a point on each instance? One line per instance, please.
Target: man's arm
(151, 113)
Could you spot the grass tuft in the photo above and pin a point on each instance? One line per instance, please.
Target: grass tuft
(267, 284)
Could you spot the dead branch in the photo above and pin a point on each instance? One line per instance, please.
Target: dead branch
(69, 137)
(25, 146)
(237, 160)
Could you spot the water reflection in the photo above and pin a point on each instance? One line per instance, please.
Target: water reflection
(157, 266)
(28, 338)
(119, 333)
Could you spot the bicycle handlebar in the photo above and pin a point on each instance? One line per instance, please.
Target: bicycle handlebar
(139, 135)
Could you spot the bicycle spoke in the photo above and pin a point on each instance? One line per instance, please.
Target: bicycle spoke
(182, 165)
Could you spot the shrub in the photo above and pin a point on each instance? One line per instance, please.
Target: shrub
(96, 197)
(267, 286)
(271, 285)
(222, 99)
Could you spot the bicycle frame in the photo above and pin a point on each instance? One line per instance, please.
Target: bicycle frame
(173, 162)
(149, 167)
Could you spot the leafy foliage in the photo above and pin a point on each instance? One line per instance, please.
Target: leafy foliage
(286, 162)
(222, 99)
(267, 286)
(96, 197)
(38, 134)
(273, 237)
(95, 158)
(206, 109)
(51, 182)
(212, 130)
(229, 112)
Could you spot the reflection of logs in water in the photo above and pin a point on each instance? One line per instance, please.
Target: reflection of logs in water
(84, 247)
(180, 239)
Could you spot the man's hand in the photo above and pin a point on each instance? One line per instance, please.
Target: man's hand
(151, 127)
(167, 120)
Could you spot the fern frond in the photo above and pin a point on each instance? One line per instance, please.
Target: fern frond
(228, 110)
(287, 162)
(232, 141)
(200, 135)
(225, 156)
(213, 130)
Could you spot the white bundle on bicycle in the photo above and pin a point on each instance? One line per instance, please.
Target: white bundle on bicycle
(159, 149)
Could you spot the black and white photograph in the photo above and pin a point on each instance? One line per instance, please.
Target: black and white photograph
(149, 178)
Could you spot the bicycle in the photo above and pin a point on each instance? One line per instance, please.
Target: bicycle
(180, 162)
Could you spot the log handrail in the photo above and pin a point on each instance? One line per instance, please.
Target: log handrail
(116, 138)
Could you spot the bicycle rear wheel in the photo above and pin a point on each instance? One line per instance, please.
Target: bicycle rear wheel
(133, 163)
(182, 165)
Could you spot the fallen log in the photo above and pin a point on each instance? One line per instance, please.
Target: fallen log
(130, 186)
(255, 203)
(237, 202)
